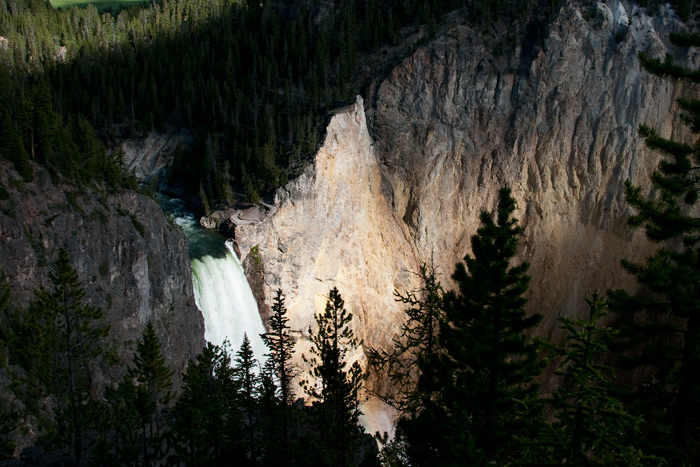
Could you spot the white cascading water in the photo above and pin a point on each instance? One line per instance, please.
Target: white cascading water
(221, 289)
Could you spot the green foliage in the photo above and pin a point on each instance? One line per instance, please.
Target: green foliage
(334, 384)
(134, 220)
(203, 198)
(124, 439)
(146, 391)
(661, 331)
(483, 376)
(280, 345)
(8, 422)
(4, 194)
(252, 80)
(57, 340)
(12, 148)
(591, 425)
(150, 369)
(415, 346)
(208, 427)
(248, 382)
(255, 254)
(8, 417)
(99, 4)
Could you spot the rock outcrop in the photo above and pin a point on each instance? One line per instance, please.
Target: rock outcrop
(334, 226)
(453, 123)
(149, 158)
(131, 261)
(560, 130)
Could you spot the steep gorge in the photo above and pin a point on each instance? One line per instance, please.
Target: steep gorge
(449, 126)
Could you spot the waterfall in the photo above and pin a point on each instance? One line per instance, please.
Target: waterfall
(221, 290)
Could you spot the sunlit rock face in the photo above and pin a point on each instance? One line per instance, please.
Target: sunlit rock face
(558, 124)
(449, 126)
(333, 226)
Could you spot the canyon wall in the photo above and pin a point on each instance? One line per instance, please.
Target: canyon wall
(131, 261)
(449, 126)
(557, 123)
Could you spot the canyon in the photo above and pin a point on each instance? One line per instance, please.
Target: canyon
(399, 181)
(402, 176)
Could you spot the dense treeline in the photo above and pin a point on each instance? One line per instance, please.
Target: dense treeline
(232, 409)
(253, 78)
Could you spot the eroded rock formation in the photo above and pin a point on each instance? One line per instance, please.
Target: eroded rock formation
(560, 129)
(453, 123)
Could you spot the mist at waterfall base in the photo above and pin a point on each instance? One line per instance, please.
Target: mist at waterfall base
(221, 289)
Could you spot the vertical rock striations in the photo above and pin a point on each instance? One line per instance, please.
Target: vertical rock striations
(453, 123)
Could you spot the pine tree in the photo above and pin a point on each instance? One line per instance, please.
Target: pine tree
(8, 417)
(124, 438)
(273, 441)
(591, 426)
(152, 381)
(12, 148)
(245, 377)
(207, 427)
(662, 325)
(414, 347)
(334, 384)
(483, 377)
(74, 342)
(280, 343)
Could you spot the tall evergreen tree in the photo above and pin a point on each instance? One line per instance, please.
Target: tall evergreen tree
(152, 381)
(591, 426)
(662, 325)
(247, 380)
(8, 417)
(416, 344)
(484, 375)
(280, 344)
(335, 383)
(131, 432)
(208, 428)
(74, 333)
(12, 148)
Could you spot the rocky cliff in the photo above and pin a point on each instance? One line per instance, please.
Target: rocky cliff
(560, 129)
(556, 120)
(131, 261)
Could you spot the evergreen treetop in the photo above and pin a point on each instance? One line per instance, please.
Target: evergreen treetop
(483, 377)
(590, 425)
(335, 383)
(280, 344)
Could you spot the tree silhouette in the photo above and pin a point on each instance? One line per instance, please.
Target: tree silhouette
(334, 384)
